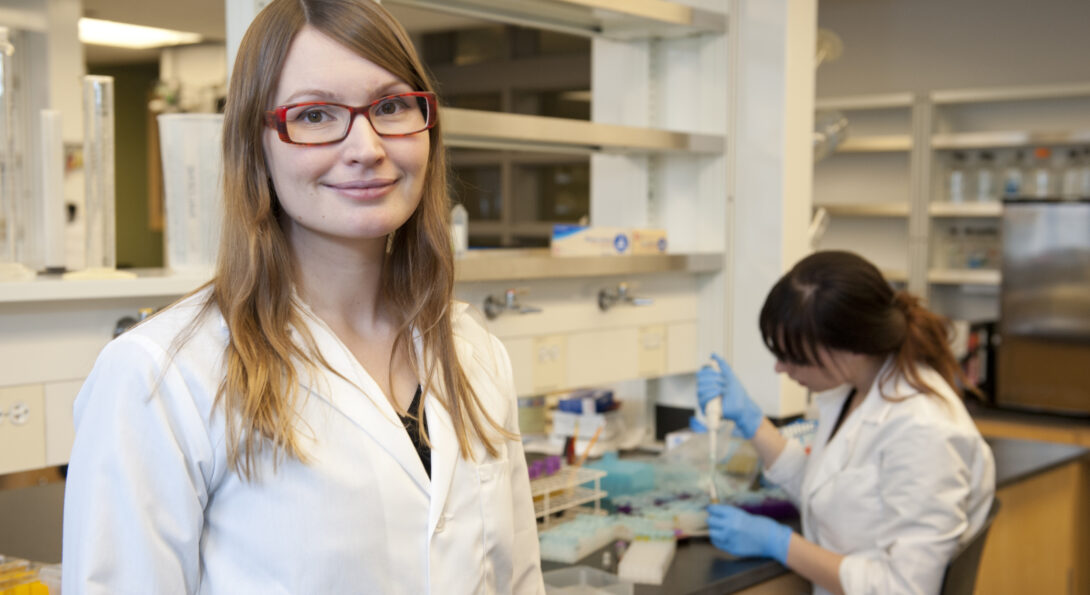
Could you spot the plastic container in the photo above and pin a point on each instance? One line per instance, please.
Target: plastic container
(459, 230)
(647, 562)
(193, 183)
(584, 580)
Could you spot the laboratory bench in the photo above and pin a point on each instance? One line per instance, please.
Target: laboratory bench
(699, 568)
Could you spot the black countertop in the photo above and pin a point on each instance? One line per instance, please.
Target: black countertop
(699, 568)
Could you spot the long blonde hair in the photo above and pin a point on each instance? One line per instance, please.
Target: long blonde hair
(254, 277)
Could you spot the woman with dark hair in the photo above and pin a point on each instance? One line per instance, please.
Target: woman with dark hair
(322, 417)
(898, 475)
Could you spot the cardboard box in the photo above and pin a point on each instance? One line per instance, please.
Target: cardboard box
(581, 240)
(648, 241)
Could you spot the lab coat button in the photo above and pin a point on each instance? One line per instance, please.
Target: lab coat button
(440, 524)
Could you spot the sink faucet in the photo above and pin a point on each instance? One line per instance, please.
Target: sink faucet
(607, 299)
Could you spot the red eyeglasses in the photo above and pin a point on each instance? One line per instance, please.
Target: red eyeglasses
(322, 123)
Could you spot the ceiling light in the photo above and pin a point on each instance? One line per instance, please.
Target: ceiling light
(135, 37)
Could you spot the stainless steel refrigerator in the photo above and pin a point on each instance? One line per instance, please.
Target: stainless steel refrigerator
(1044, 349)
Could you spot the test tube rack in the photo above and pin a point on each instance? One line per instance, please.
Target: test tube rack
(566, 489)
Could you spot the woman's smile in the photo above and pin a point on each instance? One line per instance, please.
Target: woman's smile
(364, 190)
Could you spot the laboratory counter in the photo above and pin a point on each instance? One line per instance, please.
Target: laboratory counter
(699, 568)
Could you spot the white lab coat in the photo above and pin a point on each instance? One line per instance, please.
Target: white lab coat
(151, 507)
(899, 487)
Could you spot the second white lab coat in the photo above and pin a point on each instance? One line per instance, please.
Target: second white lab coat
(151, 507)
(899, 487)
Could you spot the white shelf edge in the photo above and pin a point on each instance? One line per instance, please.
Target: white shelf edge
(1008, 138)
(865, 102)
(627, 19)
(1059, 91)
(483, 265)
(539, 263)
(966, 209)
(964, 276)
(483, 129)
(893, 209)
(149, 283)
(884, 143)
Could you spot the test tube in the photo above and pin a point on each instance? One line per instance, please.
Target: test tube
(98, 164)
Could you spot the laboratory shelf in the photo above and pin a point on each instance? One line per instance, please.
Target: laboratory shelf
(964, 276)
(878, 143)
(565, 489)
(1009, 139)
(890, 209)
(539, 263)
(1000, 94)
(476, 265)
(478, 129)
(614, 19)
(148, 283)
(865, 102)
(966, 209)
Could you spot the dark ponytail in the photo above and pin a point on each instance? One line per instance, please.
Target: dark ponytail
(926, 340)
(839, 300)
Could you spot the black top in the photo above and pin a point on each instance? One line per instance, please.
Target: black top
(412, 427)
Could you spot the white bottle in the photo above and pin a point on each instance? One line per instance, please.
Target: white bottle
(1013, 185)
(985, 178)
(459, 230)
(956, 178)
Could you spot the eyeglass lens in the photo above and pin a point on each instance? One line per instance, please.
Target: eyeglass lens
(324, 123)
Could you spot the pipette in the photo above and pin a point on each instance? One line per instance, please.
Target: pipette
(713, 412)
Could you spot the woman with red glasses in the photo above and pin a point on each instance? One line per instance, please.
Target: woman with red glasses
(322, 417)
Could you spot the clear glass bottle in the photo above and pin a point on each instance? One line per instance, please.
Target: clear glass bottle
(985, 177)
(955, 248)
(957, 178)
(1042, 175)
(1013, 180)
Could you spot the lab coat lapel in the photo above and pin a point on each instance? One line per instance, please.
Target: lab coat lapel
(444, 457)
(823, 455)
(358, 398)
(445, 449)
(836, 455)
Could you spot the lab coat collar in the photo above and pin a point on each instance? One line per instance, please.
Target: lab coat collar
(359, 398)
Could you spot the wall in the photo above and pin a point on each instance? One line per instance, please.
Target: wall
(893, 45)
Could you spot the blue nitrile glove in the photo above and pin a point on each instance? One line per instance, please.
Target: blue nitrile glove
(696, 425)
(737, 532)
(737, 406)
